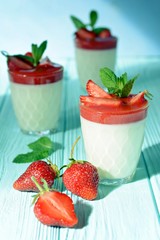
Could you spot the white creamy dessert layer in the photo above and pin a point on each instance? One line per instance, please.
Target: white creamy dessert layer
(113, 149)
(90, 61)
(37, 107)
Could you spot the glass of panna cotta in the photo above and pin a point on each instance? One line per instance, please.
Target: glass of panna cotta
(93, 52)
(113, 133)
(36, 96)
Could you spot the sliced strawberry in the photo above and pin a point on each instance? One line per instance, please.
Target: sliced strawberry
(85, 34)
(53, 208)
(92, 101)
(105, 33)
(29, 54)
(137, 99)
(15, 63)
(95, 91)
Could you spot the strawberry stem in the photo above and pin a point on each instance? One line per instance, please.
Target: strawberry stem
(37, 184)
(73, 147)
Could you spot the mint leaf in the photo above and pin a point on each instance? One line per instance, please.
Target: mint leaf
(37, 52)
(119, 86)
(30, 157)
(24, 57)
(128, 87)
(77, 22)
(93, 18)
(108, 78)
(42, 148)
(43, 144)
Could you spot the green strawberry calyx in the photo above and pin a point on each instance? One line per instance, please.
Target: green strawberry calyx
(119, 86)
(42, 188)
(93, 17)
(35, 56)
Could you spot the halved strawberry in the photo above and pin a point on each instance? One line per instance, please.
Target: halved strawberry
(16, 63)
(85, 34)
(95, 91)
(54, 208)
(105, 33)
(138, 98)
(93, 101)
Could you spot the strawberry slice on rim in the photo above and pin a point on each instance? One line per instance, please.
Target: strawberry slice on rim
(16, 63)
(95, 91)
(93, 101)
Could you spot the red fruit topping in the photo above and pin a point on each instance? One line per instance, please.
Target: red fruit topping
(15, 64)
(85, 34)
(95, 91)
(39, 170)
(137, 99)
(108, 102)
(105, 34)
(29, 54)
(55, 209)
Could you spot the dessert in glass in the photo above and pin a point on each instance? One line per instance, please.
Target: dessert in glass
(113, 125)
(36, 89)
(95, 47)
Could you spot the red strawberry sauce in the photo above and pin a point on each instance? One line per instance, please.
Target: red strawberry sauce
(96, 44)
(122, 114)
(42, 74)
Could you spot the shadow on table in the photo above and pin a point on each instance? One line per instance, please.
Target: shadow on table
(151, 160)
(83, 211)
(149, 165)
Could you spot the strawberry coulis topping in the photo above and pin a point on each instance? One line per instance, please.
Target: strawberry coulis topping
(108, 113)
(96, 43)
(42, 74)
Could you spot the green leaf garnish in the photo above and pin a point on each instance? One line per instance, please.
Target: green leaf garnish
(77, 22)
(119, 86)
(37, 52)
(42, 148)
(93, 18)
(43, 143)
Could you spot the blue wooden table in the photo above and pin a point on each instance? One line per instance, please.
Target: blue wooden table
(127, 212)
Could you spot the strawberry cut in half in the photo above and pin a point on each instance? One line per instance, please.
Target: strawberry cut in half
(15, 63)
(85, 34)
(53, 208)
(93, 101)
(105, 34)
(95, 91)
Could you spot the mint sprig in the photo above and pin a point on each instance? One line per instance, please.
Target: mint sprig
(42, 148)
(37, 53)
(93, 17)
(119, 86)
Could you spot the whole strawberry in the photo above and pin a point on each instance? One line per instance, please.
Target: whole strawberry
(39, 169)
(81, 178)
(53, 208)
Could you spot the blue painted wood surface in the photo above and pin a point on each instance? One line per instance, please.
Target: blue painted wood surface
(127, 212)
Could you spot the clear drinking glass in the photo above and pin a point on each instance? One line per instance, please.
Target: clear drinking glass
(113, 140)
(36, 96)
(91, 55)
